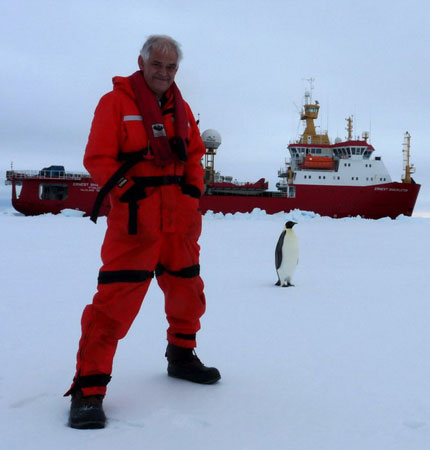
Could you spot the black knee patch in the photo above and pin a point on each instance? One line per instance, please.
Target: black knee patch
(186, 272)
(124, 276)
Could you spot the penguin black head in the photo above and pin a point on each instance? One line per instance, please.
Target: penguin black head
(290, 224)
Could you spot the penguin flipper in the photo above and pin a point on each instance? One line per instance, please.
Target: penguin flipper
(278, 251)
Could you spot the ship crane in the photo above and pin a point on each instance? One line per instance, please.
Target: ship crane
(408, 168)
(349, 121)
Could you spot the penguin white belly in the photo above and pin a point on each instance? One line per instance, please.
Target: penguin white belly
(290, 256)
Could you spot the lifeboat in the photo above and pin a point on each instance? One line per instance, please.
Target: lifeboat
(318, 162)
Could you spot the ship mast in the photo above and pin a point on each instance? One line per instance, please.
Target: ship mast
(408, 169)
(309, 113)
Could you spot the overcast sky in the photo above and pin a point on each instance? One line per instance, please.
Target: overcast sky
(244, 70)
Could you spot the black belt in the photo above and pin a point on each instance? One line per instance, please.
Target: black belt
(137, 192)
(131, 159)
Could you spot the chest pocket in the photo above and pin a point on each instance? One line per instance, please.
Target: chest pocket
(134, 135)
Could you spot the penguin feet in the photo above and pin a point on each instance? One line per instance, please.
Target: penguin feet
(287, 284)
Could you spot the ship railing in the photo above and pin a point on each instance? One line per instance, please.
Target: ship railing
(231, 181)
(57, 175)
(283, 172)
(235, 183)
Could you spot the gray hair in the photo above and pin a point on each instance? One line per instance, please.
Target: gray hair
(160, 42)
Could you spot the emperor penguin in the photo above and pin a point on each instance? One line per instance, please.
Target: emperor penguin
(286, 255)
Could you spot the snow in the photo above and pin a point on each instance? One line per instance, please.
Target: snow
(340, 361)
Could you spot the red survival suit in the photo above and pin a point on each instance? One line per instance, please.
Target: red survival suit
(155, 235)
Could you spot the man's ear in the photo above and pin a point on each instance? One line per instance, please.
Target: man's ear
(140, 62)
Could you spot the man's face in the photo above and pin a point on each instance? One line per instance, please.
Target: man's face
(159, 70)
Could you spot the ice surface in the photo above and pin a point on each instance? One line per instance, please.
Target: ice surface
(340, 361)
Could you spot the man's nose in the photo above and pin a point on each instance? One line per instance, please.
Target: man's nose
(163, 70)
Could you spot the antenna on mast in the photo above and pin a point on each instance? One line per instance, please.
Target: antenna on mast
(308, 94)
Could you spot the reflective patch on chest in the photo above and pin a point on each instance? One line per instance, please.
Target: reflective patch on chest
(132, 117)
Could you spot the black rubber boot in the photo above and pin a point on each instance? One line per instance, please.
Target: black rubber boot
(184, 363)
(86, 412)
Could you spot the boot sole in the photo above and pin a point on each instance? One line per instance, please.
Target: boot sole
(88, 425)
(211, 381)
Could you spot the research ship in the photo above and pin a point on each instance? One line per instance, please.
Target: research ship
(336, 179)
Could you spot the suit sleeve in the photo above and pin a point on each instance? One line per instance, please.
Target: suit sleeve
(194, 172)
(101, 153)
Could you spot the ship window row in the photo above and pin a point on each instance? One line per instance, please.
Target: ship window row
(367, 179)
(356, 150)
(313, 151)
(349, 165)
(345, 151)
(308, 177)
(351, 151)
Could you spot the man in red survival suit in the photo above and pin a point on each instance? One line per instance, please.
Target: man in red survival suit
(145, 150)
